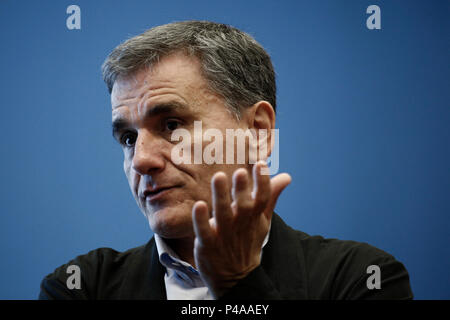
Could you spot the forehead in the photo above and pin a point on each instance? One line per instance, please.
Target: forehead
(176, 76)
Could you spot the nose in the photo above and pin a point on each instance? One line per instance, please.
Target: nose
(148, 156)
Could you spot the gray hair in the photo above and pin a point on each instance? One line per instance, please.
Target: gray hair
(234, 64)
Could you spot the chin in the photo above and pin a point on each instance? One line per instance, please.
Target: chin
(171, 222)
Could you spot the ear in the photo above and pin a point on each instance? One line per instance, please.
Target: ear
(261, 118)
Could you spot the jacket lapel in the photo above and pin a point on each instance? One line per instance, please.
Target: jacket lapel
(157, 287)
(145, 276)
(283, 260)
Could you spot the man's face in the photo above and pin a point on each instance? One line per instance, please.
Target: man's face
(146, 108)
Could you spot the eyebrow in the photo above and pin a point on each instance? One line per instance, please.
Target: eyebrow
(120, 123)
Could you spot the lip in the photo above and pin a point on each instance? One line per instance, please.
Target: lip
(158, 194)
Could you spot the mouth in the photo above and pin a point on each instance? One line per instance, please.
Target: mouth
(158, 193)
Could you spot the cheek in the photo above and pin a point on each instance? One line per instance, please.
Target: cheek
(126, 169)
(130, 176)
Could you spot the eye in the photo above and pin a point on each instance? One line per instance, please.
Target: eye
(172, 125)
(128, 139)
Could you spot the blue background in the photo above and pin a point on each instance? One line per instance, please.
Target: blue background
(363, 117)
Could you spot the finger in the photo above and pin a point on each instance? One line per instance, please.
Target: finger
(242, 199)
(200, 221)
(261, 187)
(221, 201)
(277, 185)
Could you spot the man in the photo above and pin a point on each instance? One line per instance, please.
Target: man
(215, 233)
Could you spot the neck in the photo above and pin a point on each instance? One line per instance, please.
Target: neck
(184, 248)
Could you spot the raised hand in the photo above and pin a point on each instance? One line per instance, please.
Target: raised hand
(228, 245)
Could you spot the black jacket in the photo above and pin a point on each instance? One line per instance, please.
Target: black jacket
(294, 266)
